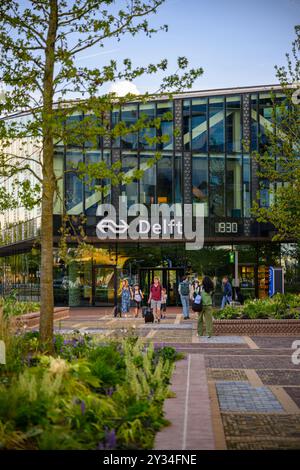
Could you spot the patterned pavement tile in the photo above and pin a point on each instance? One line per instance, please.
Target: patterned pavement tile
(279, 377)
(245, 426)
(274, 341)
(250, 362)
(294, 393)
(222, 340)
(226, 374)
(265, 444)
(242, 396)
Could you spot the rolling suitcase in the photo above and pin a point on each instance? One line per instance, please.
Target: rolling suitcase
(148, 315)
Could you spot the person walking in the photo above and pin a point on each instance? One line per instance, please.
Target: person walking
(137, 296)
(227, 292)
(184, 292)
(196, 296)
(164, 297)
(206, 313)
(126, 295)
(155, 298)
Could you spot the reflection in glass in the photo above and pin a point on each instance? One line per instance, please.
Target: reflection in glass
(115, 119)
(216, 124)
(129, 164)
(200, 180)
(129, 118)
(164, 180)
(217, 186)
(164, 111)
(234, 185)
(233, 124)
(74, 185)
(148, 180)
(199, 124)
(178, 178)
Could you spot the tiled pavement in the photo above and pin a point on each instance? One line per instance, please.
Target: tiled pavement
(232, 392)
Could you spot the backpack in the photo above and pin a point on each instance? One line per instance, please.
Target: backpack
(184, 288)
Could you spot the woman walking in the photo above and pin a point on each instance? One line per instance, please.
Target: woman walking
(126, 295)
(206, 313)
(137, 298)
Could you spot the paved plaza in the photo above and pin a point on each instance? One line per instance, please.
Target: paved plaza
(232, 392)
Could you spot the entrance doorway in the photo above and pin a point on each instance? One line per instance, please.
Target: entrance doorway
(169, 278)
(104, 285)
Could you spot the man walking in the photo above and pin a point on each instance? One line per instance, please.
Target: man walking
(227, 292)
(184, 292)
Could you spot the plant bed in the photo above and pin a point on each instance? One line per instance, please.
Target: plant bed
(32, 319)
(256, 327)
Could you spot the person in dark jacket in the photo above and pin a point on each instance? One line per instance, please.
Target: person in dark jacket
(227, 292)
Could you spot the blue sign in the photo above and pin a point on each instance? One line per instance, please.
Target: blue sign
(271, 282)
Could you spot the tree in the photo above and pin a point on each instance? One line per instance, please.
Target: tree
(39, 44)
(279, 163)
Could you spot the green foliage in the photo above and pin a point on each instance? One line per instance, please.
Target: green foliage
(107, 396)
(13, 307)
(279, 164)
(278, 307)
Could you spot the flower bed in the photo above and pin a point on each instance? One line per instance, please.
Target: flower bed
(87, 395)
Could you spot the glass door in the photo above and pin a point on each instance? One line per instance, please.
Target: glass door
(104, 285)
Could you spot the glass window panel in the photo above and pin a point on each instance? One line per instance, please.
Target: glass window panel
(216, 124)
(129, 164)
(74, 184)
(148, 180)
(217, 185)
(200, 180)
(129, 118)
(233, 124)
(234, 179)
(163, 108)
(73, 127)
(115, 119)
(106, 195)
(148, 110)
(254, 122)
(246, 186)
(144, 136)
(166, 129)
(58, 165)
(92, 197)
(164, 180)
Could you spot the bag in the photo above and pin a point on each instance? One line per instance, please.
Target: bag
(149, 317)
(197, 299)
(197, 307)
(117, 311)
(144, 310)
(138, 297)
(184, 288)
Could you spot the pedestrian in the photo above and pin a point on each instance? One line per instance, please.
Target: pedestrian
(196, 296)
(164, 297)
(137, 296)
(126, 295)
(184, 292)
(155, 298)
(207, 288)
(227, 292)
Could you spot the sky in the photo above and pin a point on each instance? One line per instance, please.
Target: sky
(237, 42)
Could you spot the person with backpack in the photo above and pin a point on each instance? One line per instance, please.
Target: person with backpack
(184, 292)
(155, 298)
(227, 292)
(137, 296)
(207, 289)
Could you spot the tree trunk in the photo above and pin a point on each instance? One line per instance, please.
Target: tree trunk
(48, 189)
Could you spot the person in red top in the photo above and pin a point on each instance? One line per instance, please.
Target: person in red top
(155, 298)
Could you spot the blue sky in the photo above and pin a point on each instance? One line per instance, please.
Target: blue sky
(237, 42)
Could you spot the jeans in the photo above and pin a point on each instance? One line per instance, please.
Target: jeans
(225, 299)
(185, 302)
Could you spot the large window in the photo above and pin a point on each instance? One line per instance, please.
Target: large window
(129, 114)
(148, 180)
(247, 186)
(164, 180)
(217, 185)
(216, 124)
(74, 184)
(147, 112)
(195, 124)
(233, 124)
(164, 111)
(130, 189)
(234, 180)
(200, 180)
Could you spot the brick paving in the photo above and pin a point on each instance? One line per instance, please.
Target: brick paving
(234, 392)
